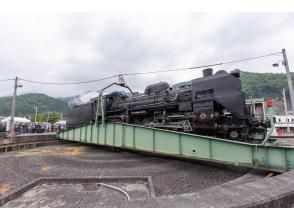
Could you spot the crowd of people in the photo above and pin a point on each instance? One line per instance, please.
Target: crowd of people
(26, 128)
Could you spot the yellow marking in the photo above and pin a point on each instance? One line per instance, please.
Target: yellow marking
(45, 168)
(4, 188)
(53, 151)
(75, 152)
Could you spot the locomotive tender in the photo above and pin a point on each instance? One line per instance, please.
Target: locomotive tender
(212, 105)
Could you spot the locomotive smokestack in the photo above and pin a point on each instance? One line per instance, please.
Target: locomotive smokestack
(207, 72)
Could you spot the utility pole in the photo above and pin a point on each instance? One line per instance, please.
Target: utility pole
(286, 112)
(47, 117)
(36, 112)
(11, 126)
(290, 84)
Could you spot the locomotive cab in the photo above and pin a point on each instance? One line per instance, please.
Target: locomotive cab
(219, 105)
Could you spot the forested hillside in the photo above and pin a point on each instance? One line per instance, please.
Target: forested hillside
(25, 104)
(267, 85)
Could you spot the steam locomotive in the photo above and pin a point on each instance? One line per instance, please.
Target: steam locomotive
(212, 105)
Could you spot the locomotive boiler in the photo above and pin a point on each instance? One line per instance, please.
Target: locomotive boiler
(212, 105)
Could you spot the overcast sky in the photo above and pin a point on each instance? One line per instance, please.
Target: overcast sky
(71, 47)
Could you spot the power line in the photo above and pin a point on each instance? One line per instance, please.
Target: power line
(150, 72)
(69, 83)
(252, 58)
(171, 70)
(4, 80)
(204, 66)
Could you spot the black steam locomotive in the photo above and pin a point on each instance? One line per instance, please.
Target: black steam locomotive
(213, 105)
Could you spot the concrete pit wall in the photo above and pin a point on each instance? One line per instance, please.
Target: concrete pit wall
(27, 141)
(28, 138)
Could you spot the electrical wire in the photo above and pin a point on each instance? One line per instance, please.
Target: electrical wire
(69, 83)
(171, 70)
(252, 58)
(149, 72)
(4, 80)
(204, 66)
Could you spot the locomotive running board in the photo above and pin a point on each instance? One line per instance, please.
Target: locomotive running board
(184, 145)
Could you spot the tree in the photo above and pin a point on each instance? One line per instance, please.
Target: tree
(52, 117)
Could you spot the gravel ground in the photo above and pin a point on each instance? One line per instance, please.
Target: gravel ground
(170, 176)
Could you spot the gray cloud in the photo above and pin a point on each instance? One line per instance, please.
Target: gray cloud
(84, 46)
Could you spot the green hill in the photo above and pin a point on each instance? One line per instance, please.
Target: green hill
(267, 85)
(25, 104)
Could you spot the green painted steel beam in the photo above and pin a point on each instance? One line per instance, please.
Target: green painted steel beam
(184, 145)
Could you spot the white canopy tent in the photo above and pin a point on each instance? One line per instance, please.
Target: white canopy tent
(60, 123)
(16, 120)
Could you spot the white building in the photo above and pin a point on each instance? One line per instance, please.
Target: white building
(283, 121)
